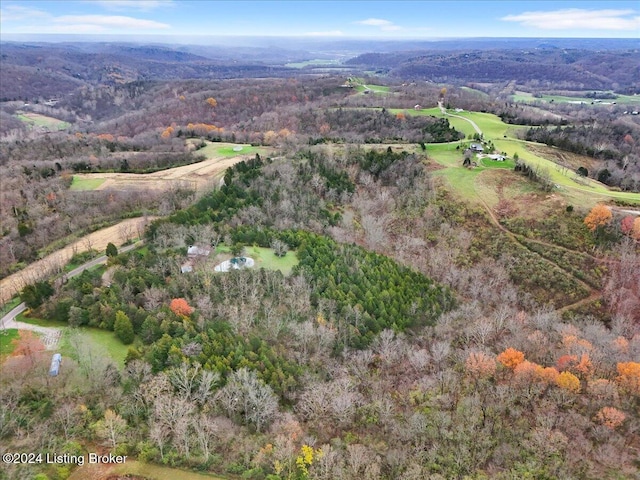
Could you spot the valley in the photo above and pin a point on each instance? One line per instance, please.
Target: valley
(328, 264)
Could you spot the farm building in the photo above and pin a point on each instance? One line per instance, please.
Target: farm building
(497, 157)
(476, 147)
(55, 365)
(195, 251)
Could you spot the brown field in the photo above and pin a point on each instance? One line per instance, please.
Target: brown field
(53, 263)
(199, 176)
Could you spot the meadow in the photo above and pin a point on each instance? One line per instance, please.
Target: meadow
(265, 258)
(37, 120)
(85, 183)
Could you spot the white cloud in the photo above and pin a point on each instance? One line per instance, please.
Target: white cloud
(18, 12)
(576, 18)
(384, 25)
(113, 21)
(331, 33)
(144, 5)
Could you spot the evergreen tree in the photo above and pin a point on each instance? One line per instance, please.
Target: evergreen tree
(123, 328)
(112, 250)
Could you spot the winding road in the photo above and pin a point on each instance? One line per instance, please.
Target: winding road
(52, 335)
(473, 124)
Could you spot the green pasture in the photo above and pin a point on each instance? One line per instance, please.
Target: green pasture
(620, 99)
(480, 93)
(7, 336)
(37, 120)
(102, 342)
(265, 258)
(372, 88)
(217, 150)
(491, 125)
(78, 184)
(489, 163)
(585, 189)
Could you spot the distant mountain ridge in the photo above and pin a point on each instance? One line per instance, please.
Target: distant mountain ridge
(31, 70)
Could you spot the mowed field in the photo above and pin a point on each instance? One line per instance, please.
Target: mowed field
(42, 121)
(631, 100)
(468, 182)
(201, 175)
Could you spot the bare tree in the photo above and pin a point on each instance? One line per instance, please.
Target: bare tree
(280, 248)
(112, 428)
(250, 398)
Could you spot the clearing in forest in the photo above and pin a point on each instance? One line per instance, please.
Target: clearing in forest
(37, 120)
(199, 176)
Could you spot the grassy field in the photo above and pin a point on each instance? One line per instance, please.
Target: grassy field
(620, 99)
(584, 190)
(7, 336)
(577, 190)
(103, 342)
(363, 87)
(37, 120)
(265, 258)
(491, 125)
(479, 93)
(41, 322)
(217, 150)
(157, 472)
(581, 192)
(78, 183)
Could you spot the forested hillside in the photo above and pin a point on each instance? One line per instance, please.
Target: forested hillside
(353, 365)
(343, 277)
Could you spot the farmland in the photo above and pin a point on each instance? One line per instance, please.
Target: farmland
(198, 176)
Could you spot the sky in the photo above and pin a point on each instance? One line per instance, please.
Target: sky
(379, 19)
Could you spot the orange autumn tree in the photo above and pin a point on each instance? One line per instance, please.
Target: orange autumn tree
(629, 377)
(167, 132)
(179, 306)
(635, 233)
(480, 365)
(610, 417)
(599, 216)
(528, 373)
(511, 358)
(548, 375)
(212, 101)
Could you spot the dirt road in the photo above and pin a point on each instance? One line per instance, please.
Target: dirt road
(473, 124)
(53, 263)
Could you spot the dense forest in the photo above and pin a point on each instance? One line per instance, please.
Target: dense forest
(353, 366)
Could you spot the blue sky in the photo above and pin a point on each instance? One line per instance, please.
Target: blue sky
(373, 19)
